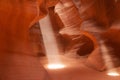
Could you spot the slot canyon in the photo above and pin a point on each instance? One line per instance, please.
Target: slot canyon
(59, 39)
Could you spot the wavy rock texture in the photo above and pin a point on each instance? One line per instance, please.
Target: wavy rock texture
(17, 59)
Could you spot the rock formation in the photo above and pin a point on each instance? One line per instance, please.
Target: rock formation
(17, 58)
(79, 30)
(94, 20)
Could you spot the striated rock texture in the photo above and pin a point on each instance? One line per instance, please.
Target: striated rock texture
(86, 24)
(101, 19)
(17, 58)
(70, 31)
(36, 40)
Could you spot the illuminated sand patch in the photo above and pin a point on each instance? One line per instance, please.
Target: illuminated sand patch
(113, 72)
(55, 66)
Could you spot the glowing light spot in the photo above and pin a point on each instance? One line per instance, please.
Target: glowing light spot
(55, 66)
(113, 73)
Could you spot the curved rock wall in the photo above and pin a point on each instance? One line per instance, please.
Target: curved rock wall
(17, 58)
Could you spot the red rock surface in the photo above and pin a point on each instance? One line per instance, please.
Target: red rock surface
(97, 17)
(98, 20)
(17, 61)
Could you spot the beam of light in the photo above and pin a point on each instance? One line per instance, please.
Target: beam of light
(106, 56)
(50, 42)
(108, 60)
